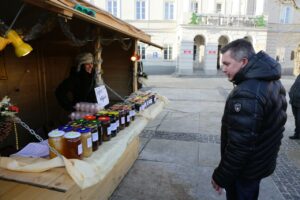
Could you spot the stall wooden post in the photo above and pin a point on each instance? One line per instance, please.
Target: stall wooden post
(98, 59)
(135, 66)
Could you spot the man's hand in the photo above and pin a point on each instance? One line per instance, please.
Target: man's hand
(216, 187)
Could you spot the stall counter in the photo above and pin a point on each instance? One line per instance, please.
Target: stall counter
(110, 164)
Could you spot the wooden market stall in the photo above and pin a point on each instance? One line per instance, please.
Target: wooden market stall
(57, 32)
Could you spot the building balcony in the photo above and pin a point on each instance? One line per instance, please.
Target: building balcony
(225, 20)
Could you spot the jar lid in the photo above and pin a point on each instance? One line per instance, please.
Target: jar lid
(89, 117)
(89, 125)
(80, 121)
(113, 113)
(72, 135)
(103, 119)
(102, 112)
(56, 133)
(65, 128)
(84, 130)
(94, 122)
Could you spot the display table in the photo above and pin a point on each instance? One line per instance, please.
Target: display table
(57, 184)
(96, 177)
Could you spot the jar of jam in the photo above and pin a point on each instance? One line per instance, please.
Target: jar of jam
(106, 131)
(127, 118)
(100, 132)
(122, 116)
(113, 125)
(73, 145)
(95, 135)
(56, 141)
(137, 107)
(117, 123)
(132, 112)
(86, 140)
(153, 97)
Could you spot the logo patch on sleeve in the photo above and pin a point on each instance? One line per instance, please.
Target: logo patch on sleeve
(237, 107)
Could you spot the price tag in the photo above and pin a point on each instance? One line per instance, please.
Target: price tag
(101, 95)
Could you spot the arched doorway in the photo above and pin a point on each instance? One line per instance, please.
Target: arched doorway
(198, 52)
(223, 40)
(297, 61)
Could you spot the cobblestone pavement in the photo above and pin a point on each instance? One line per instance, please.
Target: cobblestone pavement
(286, 176)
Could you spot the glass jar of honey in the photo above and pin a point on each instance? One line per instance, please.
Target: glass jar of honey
(56, 141)
(105, 127)
(86, 140)
(73, 146)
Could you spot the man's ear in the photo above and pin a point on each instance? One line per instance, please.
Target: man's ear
(244, 62)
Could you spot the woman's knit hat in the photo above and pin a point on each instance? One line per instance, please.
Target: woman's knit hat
(84, 58)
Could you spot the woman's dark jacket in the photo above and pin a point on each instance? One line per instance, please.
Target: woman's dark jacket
(78, 87)
(295, 93)
(253, 122)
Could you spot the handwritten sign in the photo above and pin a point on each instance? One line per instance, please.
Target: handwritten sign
(101, 95)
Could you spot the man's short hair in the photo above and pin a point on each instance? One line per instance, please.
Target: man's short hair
(239, 49)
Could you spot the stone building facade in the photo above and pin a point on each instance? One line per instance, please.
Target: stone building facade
(193, 31)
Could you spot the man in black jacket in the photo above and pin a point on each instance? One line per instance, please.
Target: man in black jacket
(79, 86)
(253, 121)
(295, 103)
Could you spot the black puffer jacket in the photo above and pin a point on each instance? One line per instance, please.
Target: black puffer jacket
(295, 93)
(253, 122)
(78, 87)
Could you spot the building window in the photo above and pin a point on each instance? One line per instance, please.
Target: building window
(112, 7)
(169, 10)
(168, 52)
(292, 55)
(218, 8)
(194, 52)
(142, 51)
(140, 9)
(286, 15)
(194, 6)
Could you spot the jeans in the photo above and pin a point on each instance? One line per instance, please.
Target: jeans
(243, 189)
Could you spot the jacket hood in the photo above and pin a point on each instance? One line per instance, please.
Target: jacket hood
(260, 66)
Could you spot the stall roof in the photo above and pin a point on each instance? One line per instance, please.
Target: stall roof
(102, 18)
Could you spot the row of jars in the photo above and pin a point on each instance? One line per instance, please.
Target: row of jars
(142, 102)
(81, 137)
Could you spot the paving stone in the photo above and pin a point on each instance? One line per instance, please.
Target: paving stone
(209, 154)
(180, 122)
(167, 181)
(143, 142)
(155, 123)
(179, 152)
